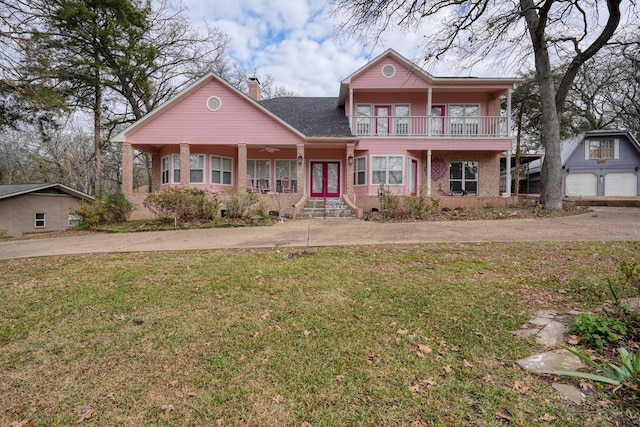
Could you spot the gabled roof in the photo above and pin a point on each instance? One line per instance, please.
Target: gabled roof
(570, 145)
(7, 191)
(314, 117)
(120, 137)
(390, 53)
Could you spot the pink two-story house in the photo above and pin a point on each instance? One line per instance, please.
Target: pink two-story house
(393, 126)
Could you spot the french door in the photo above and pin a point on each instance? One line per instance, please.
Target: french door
(325, 179)
(383, 119)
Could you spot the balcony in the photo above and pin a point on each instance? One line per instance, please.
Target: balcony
(431, 127)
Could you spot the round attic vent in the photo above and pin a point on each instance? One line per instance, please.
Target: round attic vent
(388, 70)
(214, 103)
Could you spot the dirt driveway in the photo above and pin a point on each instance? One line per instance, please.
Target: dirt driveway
(602, 224)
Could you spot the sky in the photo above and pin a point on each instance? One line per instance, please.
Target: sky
(295, 42)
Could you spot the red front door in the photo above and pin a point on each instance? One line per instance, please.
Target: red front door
(325, 179)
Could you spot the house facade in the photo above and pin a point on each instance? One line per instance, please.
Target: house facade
(393, 127)
(602, 163)
(35, 208)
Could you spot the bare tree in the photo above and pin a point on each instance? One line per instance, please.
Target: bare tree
(571, 32)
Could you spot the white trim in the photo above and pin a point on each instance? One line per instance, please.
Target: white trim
(214, 98)
(356, 170)
(387, 66)
(616, 148)
(221, 170)
(386, 156)
(43, 220)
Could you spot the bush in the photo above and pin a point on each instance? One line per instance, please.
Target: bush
(242, 205)
(598, 330)
(183, 205)
(105, 209)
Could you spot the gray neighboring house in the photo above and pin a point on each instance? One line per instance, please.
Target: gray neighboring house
(598, 163)
(32, 208)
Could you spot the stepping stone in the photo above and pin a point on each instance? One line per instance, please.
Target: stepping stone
(525, 333)
(556, 360)
(552, 335)
(570, 392)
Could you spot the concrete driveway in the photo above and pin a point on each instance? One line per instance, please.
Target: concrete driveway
(603, 224)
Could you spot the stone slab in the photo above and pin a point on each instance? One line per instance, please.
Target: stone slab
(552, 335)
(556, 360)
(525, 333)
(570, 392)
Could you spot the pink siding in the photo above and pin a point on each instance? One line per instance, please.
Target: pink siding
(190, 121)
(403, 78)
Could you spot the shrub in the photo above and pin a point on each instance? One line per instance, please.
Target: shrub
(105, 209)
(241, 205)
(183, 205)
(598, 330)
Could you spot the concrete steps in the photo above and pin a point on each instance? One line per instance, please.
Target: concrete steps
(329, 207)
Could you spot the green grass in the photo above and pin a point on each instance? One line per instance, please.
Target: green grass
(285, 336)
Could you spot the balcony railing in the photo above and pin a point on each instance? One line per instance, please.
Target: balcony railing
(437, 127)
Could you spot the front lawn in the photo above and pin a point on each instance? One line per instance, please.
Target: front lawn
(375, 335)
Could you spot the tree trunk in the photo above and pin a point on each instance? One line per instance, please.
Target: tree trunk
(551, 179)
(97, 118)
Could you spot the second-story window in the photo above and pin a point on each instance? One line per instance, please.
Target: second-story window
(464, 119)
(601, 149)
(402, 120)
(363, 119)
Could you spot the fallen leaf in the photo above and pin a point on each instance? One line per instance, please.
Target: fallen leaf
(373, 359)
(422, 350)
(167, 409)
(402, 332)
(266, 315)
(173, 383)
(466, 364)
(415, 388)
(574, 339)
(585, 385)
(306, 333)
(87, 412)
(278, 399)
(220, 422)
(306, 424)
(192, 394)
(503, 416)
(520, 388)
(339, 378)
(448, 369)
(547, 418)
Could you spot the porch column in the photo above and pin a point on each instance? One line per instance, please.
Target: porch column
(302, 177)
(351, 109)
(509, 92)
(349, 170)
(185, 164)
(241, 179)
(429, 104)
(127, 168)
(429, 173)
(508, 174)
(156, 172)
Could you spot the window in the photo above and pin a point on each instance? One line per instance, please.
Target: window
(221, 170)
(360, 171)
(73, 220)
(363, 119)
(387, 170)
(463, 177)
(176, 168)
(601, 149)
(165, 170)
(259, 171)
(41, 220)
(214, 103)
(196, 169)
(402, 113)
(286, 169)
(464, 119)
(388, 70)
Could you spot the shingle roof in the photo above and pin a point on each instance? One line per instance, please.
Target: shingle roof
(7, 191)
(314, 117)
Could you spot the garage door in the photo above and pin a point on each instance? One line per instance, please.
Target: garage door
(621, 184)
(582, 184)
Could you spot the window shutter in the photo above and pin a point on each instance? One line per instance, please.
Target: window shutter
(616, 148)
(586, 149)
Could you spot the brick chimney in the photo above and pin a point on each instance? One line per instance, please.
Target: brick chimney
(254, 88)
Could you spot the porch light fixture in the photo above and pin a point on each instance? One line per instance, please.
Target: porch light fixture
(300, 159)
(350, 159)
